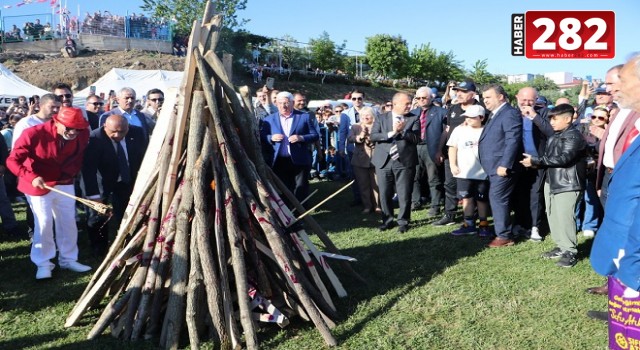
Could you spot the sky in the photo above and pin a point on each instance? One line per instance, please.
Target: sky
(472, 30)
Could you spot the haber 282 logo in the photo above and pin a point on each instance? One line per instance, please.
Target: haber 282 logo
(563, 34)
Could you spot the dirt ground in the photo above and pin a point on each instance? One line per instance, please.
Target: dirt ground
(46, 70)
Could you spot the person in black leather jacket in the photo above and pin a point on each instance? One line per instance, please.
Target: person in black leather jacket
(564, 161)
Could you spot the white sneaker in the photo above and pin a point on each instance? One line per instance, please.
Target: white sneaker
(44, 272)
(588, 233)
(75, 267)
(535, 234)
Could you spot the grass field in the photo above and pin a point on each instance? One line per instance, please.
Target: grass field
(426, 290)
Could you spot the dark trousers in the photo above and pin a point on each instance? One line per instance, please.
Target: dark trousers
(604, 190)
(450, 190)
(427, 169)
(97, 225)
(395, 176)
(295, 177)
(500, 190)
(529, 201)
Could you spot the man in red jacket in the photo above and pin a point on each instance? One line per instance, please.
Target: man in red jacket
(51, 154)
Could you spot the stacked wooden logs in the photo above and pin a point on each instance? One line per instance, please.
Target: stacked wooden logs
(208, 244)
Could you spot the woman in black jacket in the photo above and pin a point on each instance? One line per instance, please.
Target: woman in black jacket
(565, 172)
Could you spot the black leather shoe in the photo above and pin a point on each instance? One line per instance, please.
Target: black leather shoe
(601, 290)
(403, 228)
(598, 315)
(386, 226)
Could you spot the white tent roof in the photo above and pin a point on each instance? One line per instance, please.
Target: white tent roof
(12, 86)
(139, 80)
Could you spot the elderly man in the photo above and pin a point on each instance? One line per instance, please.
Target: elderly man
(109, 173)
(93, 106)
(500, 149)
(126, 103)
(432, 123)
(616, 247)
(396, 134)
(51, 154)
(287, 136)
(536, 129)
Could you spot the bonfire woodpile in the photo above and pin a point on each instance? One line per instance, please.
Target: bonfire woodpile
(209, 244)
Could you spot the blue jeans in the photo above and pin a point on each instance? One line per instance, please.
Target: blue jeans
(592, 213)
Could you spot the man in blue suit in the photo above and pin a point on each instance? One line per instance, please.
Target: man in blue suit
(499, 149)
(616, 247)
(432, 123)
(287, 136)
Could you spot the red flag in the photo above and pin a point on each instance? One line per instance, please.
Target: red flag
(53, 2)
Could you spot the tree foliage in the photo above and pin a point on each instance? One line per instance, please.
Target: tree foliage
(324, 52)
(387, 55)
(184, 12)
(436, 68)
(480, 74)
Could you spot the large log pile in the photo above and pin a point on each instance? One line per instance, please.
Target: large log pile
(208, 243)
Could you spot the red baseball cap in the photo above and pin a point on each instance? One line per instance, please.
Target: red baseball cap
(71, 117)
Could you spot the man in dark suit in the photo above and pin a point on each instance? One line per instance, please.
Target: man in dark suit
(432, 123)
(93, 106)
(529, 208)
(499, 149)
(396, 134)
(288, 136)
(115, 152)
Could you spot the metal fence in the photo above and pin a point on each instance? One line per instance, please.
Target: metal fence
(138, 27)
(29, 28)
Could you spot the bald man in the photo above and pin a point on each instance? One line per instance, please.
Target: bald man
(535, 131)
(115, 152)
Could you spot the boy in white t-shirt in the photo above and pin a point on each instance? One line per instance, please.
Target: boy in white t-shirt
(472, 183)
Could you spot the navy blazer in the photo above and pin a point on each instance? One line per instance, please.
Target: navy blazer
(620, 228)
(301, 125)
(500, 143)
(101, 157)
(436, 119)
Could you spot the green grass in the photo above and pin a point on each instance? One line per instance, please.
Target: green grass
(425, 290)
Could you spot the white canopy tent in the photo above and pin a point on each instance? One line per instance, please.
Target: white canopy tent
(139, 80)
(12, 86)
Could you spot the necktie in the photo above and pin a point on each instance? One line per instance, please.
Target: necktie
(423, 125)
(489, 118)
(357, 116)
(123, 164)
(629, 140)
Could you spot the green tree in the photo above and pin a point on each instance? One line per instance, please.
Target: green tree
(184, 12)
(422, 63)
(447, 68)
(388, 56)
(480, 74)
(324, 52)
(541, 83)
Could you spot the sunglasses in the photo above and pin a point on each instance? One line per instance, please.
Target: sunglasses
(356, 99)
(97, 104)
(161, 99)
(599, 117)
(61, 98)
(421, 98)
(338, 111)
(68, 129)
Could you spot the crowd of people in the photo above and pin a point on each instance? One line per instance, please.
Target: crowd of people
(133, 26)
(538, 169)
(46, 139)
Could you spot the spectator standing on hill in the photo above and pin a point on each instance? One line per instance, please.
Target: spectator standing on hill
(565, 171)
(70, 47)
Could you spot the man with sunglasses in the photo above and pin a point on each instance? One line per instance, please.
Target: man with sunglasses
(63, 94)
(155, 99)
(126, 108)
(344, 147)
(51, 154)
(93, 106)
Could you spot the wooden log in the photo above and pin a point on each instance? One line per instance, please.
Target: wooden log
(207, 260)
(99, 288)
(114, 308)
(195, 290)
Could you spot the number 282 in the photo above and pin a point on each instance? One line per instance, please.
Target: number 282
(570, 40)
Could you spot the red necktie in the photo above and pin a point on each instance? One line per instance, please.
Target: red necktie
(423, 124)
(630, 137)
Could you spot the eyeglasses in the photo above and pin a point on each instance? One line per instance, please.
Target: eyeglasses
(599, 117)
(422, 98)
(97, 104)
(161, 99)
(356, 99)
(61, 98)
